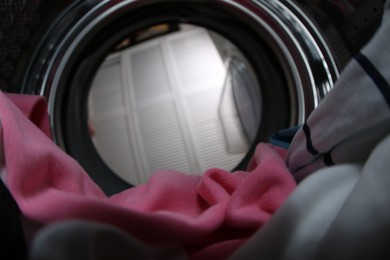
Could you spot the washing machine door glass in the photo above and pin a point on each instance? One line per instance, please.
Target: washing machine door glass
(185, 100)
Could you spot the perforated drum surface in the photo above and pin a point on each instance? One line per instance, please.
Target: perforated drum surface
(18, 19)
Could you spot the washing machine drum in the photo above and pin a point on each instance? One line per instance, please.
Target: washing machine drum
(138, 86)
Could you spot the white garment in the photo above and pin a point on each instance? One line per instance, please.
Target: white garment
(338, 212)
(355, 115)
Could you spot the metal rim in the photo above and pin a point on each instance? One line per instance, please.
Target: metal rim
(301, 48)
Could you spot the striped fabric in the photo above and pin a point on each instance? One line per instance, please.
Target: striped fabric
(340, 211)
(354, 116)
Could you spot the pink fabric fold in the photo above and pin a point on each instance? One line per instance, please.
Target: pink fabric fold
(209, 215)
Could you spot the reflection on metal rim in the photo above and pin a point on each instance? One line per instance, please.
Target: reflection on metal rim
(309, 67)
(298, 52)
(313, 69)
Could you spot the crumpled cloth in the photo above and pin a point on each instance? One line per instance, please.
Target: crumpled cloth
(86, 240)
(354, 117)
(210, 216)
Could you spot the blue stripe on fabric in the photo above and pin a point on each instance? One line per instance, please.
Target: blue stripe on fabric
(284, 137)
(309, 144)
(375, 75)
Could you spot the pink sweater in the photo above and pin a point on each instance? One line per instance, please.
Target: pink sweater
(209, 215)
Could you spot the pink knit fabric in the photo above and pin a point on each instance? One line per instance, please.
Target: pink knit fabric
(209, 215)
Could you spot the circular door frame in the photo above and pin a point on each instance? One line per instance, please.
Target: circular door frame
(289, 41)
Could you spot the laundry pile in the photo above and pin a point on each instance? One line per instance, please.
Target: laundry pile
(208, 215)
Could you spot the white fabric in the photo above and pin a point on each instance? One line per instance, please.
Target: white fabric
(82, 240)
(353, 118)
(339, 212)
